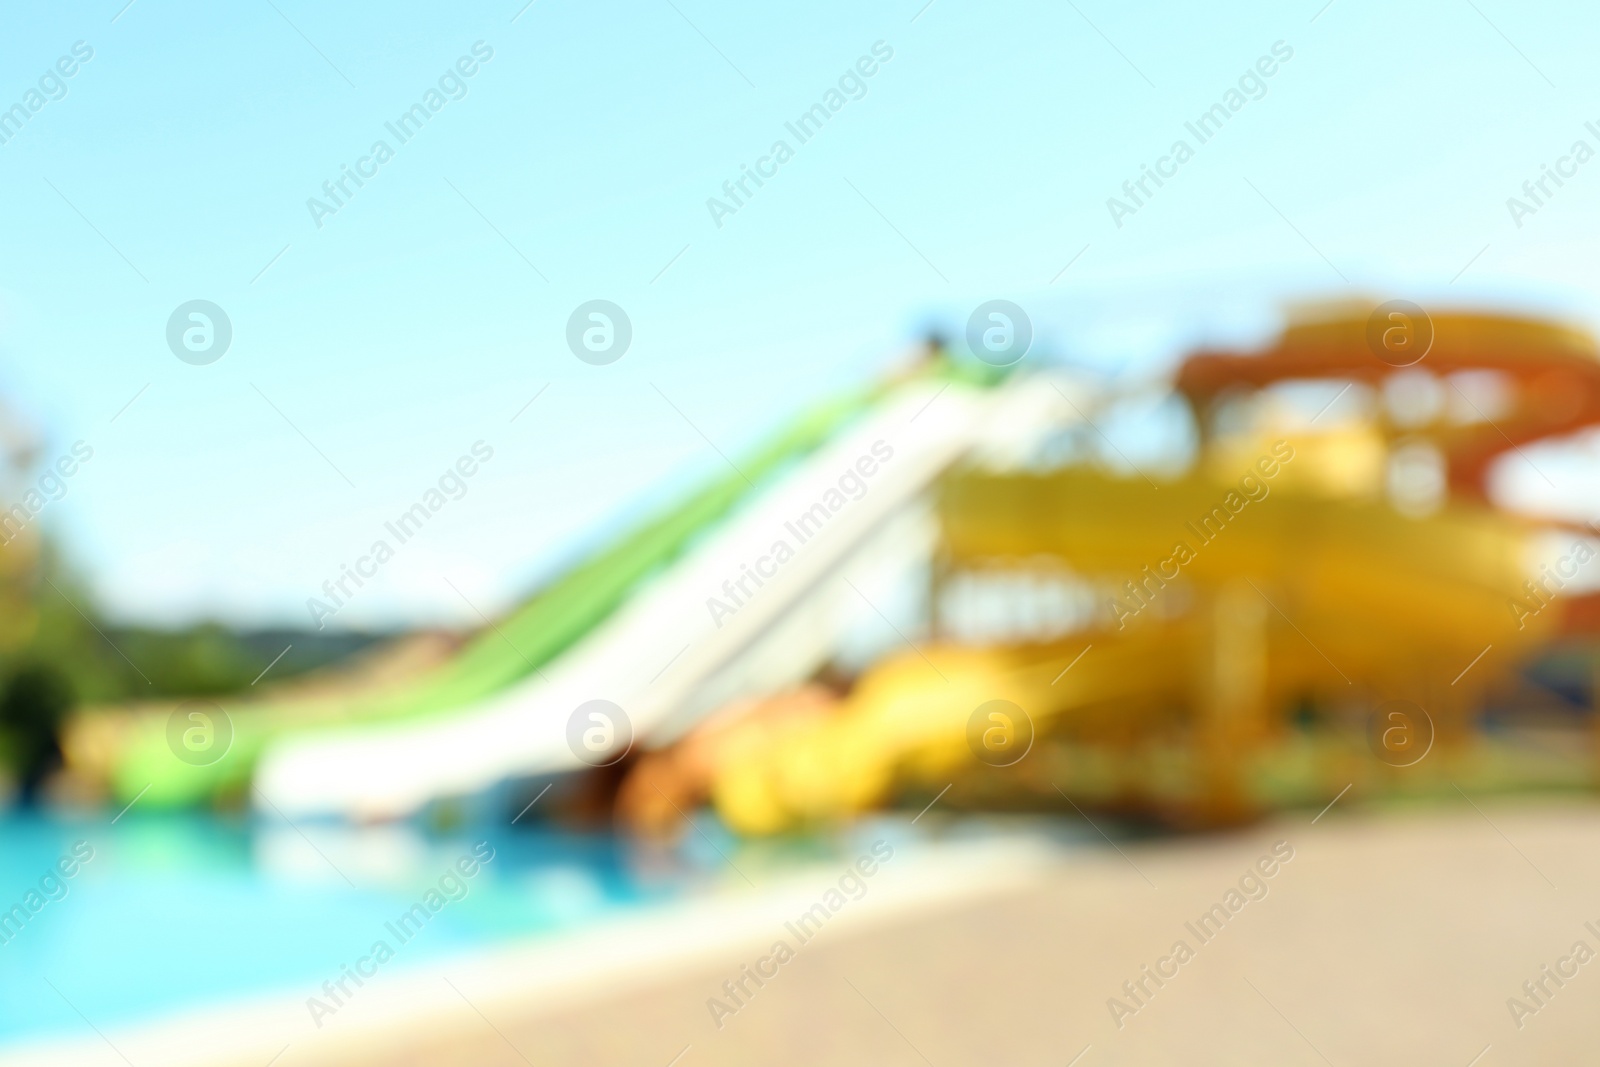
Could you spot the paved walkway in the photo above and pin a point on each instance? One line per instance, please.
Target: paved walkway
(1387, 939)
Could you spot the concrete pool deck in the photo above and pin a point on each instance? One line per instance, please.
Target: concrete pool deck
(1387, 937)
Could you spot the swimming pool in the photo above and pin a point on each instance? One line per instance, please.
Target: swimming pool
(182, 912)
(174, 912)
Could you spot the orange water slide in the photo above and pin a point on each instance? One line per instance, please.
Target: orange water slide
(1554, 372)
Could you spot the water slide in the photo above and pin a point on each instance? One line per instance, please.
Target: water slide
(1546, 375)
(1318, 590)
(700, 607)
(550, 623)
(754, 604)
(1298, 595)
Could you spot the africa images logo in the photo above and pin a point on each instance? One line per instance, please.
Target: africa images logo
(1203, 128)
(451, 85)
(807, 125)
(199, 332)
(802, 528)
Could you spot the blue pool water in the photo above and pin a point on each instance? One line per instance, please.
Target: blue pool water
(175, 911)
(178, 912)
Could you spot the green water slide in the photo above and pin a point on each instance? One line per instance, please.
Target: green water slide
(549, 623)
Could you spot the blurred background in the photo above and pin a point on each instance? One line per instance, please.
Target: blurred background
(512, 513)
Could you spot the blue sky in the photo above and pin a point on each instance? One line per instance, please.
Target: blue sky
(424, 314)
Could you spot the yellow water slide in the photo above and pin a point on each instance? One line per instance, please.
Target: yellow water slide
(1225, 602)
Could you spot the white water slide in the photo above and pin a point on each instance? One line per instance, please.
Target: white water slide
(662, 657)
